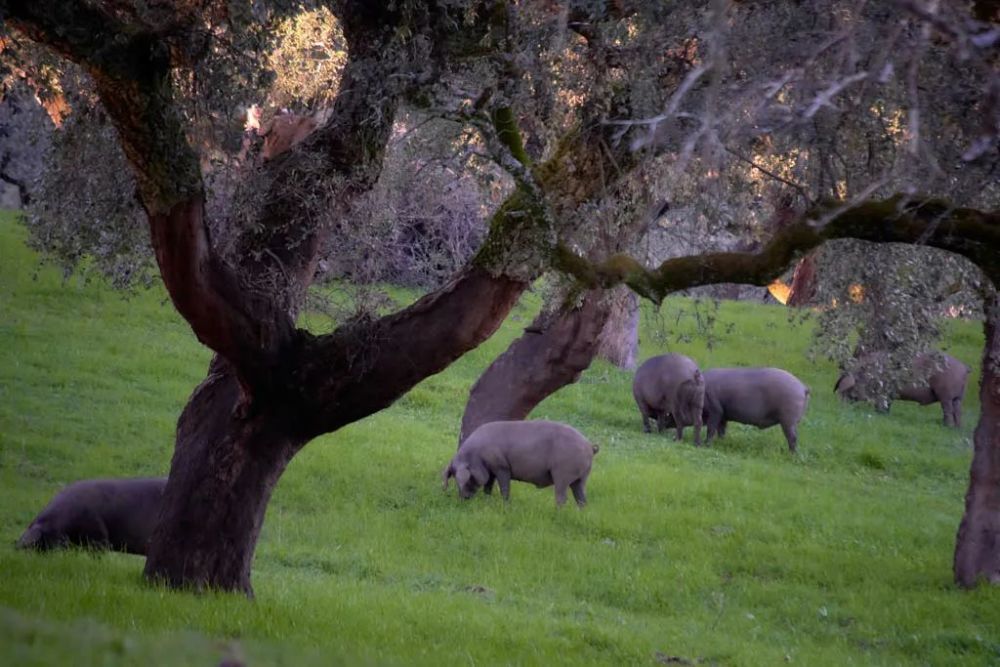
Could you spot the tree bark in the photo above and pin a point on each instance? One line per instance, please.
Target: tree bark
(557, 346)
(803, 287)
(273, 387)
(977, 547)
(358, 370)
(223, 472)
(619, 340)
(971, 233)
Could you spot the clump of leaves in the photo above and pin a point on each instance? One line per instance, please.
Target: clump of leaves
(888, 298)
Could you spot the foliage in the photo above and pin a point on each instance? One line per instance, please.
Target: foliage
(739, 112)
(889, 298)
(307, 59)
(87, 178)
(285, 55)
(738, 554)
(426, 215)
(24, 139)
(748, 114)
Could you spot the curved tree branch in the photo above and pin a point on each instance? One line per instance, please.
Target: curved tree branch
(968, 232)
(361, 368)
(131, 70)
(554, 349)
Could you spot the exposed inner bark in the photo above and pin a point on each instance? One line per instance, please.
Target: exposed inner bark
(249, 330)
(977, 547)
(554, 350)
(355, 371)
(803, 287)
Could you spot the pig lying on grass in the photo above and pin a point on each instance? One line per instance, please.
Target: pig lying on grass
(116, 514)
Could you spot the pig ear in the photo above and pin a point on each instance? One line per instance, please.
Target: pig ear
(447, 474)
(462, 477)
(480, 473)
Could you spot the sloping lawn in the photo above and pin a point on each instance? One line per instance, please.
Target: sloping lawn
(736, 555)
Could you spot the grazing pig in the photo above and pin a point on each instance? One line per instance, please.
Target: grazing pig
(934, 379)
(116, 514)
(671, 386)
(540, 452)
(761, 397)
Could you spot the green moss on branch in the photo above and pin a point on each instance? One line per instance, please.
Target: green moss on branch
(510, 135)
(968, 232)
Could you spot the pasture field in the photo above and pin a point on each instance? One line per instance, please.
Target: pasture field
(736, 555)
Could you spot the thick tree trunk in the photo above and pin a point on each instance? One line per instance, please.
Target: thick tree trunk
(221, 478)
(619, 340)
(554, 350)
(977, 548)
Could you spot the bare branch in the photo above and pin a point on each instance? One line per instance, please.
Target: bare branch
(767, 172)
(824, 98)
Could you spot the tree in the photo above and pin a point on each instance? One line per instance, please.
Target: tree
(707, 114)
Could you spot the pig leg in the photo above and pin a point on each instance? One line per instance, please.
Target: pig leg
(946, 410)
(87, 529)
(503, 478)
(578, 491)
(645, 419)
(665, 421)
(561, 487)
(715, 428)
(791, 436)
(680, 429)
(956, 411)
(697, 430)
(488, 487)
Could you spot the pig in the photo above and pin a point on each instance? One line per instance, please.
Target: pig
(761, 397)
(670, 389)
(935, 379)
(540, 452)
(115, 514)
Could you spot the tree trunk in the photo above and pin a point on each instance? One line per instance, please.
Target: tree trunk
(554, 350)
(803, 282)
(977, 548)
(619, 340)
(221, 478)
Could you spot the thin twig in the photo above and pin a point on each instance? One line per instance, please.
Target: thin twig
(742, 158)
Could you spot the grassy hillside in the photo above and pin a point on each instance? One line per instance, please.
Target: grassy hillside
(736, 555)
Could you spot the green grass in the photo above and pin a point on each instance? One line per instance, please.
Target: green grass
(736, 555)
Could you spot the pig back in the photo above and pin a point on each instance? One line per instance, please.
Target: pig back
(658, 378)
(127, 509)
(532, 450)
(758, 396)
